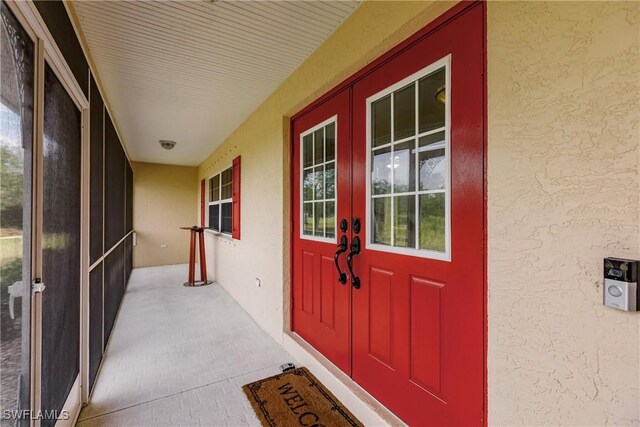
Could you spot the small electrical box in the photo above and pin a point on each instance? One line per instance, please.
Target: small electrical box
(621, 284)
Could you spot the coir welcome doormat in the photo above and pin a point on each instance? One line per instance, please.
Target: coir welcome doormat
(297, 398)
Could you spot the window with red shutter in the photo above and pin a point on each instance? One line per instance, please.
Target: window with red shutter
(224, 201)
(235, 229)
(221, 201)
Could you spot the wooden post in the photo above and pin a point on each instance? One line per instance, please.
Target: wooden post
(192, 258)
(204, 280)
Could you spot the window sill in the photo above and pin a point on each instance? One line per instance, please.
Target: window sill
(218, 234)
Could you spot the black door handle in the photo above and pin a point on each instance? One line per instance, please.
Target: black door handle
(342, 248)
(355, 250)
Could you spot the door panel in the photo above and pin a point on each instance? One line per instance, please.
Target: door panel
(321, 304)
(327, 283)
(307, 282)
(16, 145)
(380, 324)
(60, 244)
(426, 334)
(418, 316)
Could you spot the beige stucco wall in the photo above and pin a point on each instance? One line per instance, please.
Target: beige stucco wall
(164, 199)
(563, 161)
(564, 143)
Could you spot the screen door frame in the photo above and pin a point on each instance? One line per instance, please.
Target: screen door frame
(47, 51)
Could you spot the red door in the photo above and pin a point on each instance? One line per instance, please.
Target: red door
(418, 317)
(410, 182)
(321, 198)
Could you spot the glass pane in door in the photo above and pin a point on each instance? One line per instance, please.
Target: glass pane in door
(60, 245)
(318, 186)
(16, 142)
(409, 160)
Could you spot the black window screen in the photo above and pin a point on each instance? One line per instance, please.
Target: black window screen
(214, 217)
(96, 202)
(226, 217)
(214, 188)
(129, 196)
(95, 322)
(113, 287)
(61, 245)
(128, 258)
(226, 184)
(114, 186)
(57, 19)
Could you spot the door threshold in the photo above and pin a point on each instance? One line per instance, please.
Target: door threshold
(364, 406)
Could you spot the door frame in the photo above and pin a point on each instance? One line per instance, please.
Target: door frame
(47, 51)
(442, 20)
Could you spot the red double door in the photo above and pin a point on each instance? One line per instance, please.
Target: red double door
(388, 244)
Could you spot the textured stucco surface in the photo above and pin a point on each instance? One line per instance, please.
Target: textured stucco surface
(164, 200)
(563, 188)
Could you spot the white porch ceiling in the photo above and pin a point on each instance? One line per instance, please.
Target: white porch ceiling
(193, 71)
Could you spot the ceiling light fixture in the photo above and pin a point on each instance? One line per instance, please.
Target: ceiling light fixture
(166, 144)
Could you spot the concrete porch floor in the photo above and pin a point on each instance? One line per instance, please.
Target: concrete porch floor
(179, 356)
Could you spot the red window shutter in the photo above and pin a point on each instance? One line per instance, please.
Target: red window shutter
(235, 227)
(202, 194)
